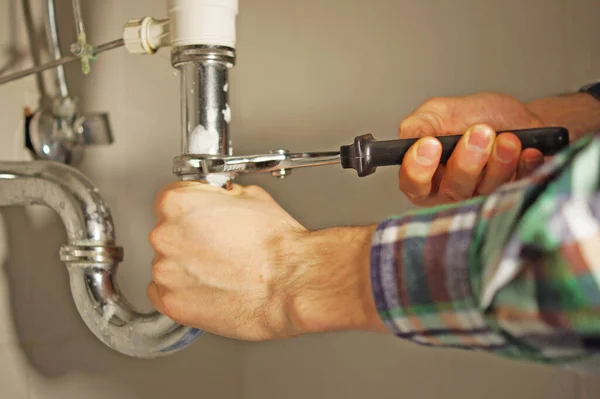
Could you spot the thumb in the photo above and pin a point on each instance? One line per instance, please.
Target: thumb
(420, 125)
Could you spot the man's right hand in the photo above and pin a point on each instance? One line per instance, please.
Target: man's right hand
(481, 160)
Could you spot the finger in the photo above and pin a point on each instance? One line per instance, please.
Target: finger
(529, 161)
(168, 204)
(169, 275)
(155, 294)
(253, 191)
(203, 186)
(466, 163)
(183, 184)
(502, 164)
(420, 125)
(165, 239)
(173, 199)
(165, 302)
(437, 179)
(173, 276)
(418, 167)
(433, 198)
(178, 199)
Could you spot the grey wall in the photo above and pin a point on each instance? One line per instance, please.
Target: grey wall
(312, 74)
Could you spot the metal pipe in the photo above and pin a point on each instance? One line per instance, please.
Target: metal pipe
(204, 107)
(54, 47)
(205, 112)
(33, 46)
(79, 27)
(92, 258)
(64, 60)
(204, 91)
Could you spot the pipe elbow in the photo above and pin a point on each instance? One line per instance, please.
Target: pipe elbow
(92, 258)
(113, 320)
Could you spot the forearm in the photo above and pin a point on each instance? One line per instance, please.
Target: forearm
(330, 287)
(512, 273)
(578, 112)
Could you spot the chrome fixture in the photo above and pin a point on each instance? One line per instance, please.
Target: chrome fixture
(54, 48)
(205, 112)
(56, 132)
(202, 36)
(91, 257)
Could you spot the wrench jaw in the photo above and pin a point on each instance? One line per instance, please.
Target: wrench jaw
(278, 163)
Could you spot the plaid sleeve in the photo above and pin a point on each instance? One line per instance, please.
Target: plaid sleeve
(516, 273)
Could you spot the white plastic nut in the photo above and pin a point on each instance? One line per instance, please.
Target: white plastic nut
(145, 35)
(203, 22)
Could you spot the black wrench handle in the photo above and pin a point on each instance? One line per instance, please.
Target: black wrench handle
(366, 153)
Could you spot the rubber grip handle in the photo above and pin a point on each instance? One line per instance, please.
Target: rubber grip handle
(366, 153)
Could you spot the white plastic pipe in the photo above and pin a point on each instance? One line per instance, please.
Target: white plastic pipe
(203, 22)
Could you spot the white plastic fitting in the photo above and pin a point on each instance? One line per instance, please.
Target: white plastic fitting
(203, 22)
(146, 35)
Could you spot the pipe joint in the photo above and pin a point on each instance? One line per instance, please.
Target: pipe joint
(203, 54)
(73, 255)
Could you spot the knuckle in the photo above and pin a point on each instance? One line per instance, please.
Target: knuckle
(419, 125)
(404, 127)
(168, 201)
(257, 191)
(165, 274)
(432, 101)
(484, 190)
(412, 190)
(438, 104)
(159, 273)
(159, 239)
(154, 238)
(408, 124)
(453, 194)
(415, 199)
(172, 308)
(494, 179)
(420, 177)
(465, 165)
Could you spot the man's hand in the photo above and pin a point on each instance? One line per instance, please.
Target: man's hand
(234, 263)
(481, 161)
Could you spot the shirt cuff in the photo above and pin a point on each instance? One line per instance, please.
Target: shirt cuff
(421, 282)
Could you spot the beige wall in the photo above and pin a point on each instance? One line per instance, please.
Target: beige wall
(311, 75)
(314, 73)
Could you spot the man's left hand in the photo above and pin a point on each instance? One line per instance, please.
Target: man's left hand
(234, 263)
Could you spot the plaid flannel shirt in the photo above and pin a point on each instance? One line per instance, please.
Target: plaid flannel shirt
(516, 273)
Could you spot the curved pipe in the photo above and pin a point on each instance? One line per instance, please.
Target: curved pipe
(92, 258)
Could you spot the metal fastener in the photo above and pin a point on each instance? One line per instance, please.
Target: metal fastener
(281, 173)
